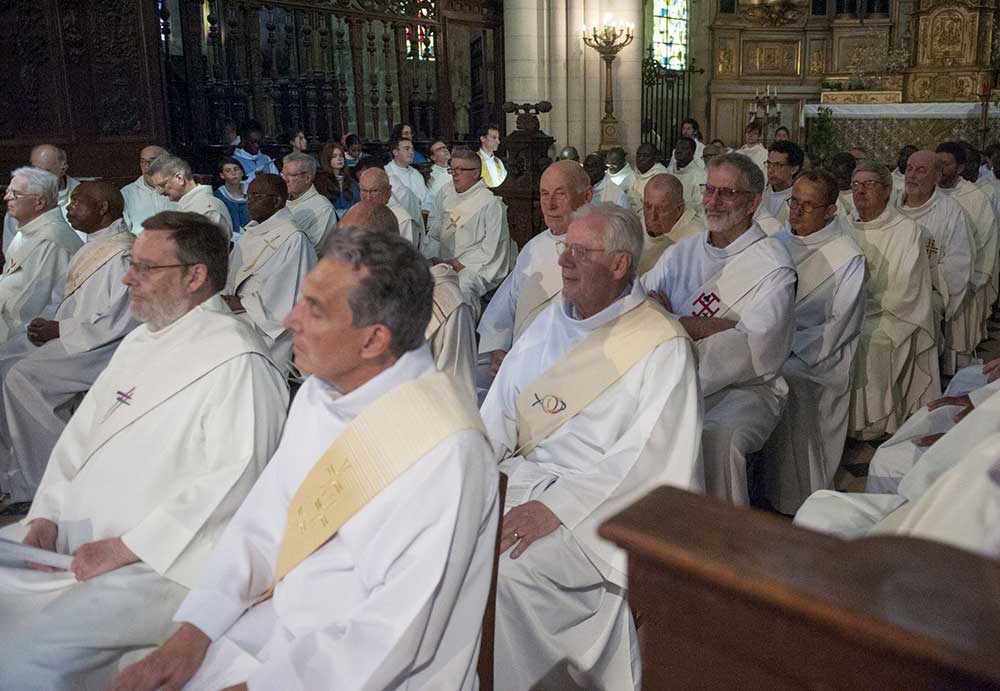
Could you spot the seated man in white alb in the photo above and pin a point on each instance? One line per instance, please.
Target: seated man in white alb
(374, 524)
(689, 169)
(896, 367)
(600, 180)
(734, 290)
(171, 177)
(784, 163)
(951, 256)
(577, 450)
(141, 198)
(752, 148)
(267, 266)
(314, 214)
(452, 328)
(471, 234)
(620, 172)
(35, 264)
(983, 224)
(440, 155)
(536, 279)
(667, 218)
(950, 494)
(899, 172)
(148, 472)
(62, 352)
(690, 129)
(805, 448)
(53, 159)
(402, 174)
(376, 187)
(647, 166)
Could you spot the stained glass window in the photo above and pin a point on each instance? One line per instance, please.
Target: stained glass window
(420, 47)
(670, 33)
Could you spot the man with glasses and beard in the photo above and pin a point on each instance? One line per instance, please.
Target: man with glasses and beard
(734, 291)
(151, 467)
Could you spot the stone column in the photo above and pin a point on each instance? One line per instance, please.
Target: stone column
(547, 60)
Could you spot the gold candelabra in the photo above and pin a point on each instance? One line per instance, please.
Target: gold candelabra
(766, 110)
(608, 40)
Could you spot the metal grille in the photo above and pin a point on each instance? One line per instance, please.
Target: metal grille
(666, 100)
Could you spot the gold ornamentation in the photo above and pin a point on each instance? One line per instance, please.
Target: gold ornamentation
(725, 60)
(772, 14)
(945, 86)
(842, 97)
(767, 58)
(817, 62)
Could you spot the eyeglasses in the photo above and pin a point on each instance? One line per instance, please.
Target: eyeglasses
(578, 252)
(452, 170)
(775, 164)
(808, 207)
(286, 174)
(143, 269)
(867, 185)
(15, 195)
(727, 194)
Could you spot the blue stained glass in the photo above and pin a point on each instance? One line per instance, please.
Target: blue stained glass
(670, 32)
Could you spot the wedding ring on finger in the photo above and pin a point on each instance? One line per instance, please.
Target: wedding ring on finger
(517, 536)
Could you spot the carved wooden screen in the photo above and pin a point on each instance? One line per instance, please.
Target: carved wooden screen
(331, 66)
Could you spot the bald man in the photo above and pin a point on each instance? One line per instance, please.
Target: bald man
(536, 280)
(377, 188)
(57, 360)
(141, 198)
(53, 159)
(267, 266)
(452, 328)
(667, 218)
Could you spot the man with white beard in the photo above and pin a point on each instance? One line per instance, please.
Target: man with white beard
(951, 256)
(34, 270)
(896, 368)
(141, 198)
(805, 449)
(983, 220)
(171, 176)
(148, 472)
(734, 290)
(313, 213)
(267, 266)
(64, 349)
(535, 281)
(53, 159)
(666, 217)
(382, 495)
(579, 449)
(471, 234)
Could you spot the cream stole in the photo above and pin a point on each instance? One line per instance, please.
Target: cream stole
(605, 355)
(260, 242)
(465, 209)
(720, 294)
(538, 291)
(823, 263)
(383, 441)
(447, 298)
(93, 255)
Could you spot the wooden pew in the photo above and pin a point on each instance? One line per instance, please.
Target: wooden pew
(737, 599)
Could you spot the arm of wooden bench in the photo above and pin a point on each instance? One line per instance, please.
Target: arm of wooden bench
(737, 598)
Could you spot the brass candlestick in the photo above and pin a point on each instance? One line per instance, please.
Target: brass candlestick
(608, 41)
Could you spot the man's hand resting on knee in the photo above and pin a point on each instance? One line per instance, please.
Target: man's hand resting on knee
(42, 533)
(524, 524)
(168, 667)
(95, 558)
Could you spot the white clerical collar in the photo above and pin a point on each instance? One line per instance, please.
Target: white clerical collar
(400, 168)
(282, 216)
(882, 220)
(486, 154)
(41, 221)
(472, 190)
(820, 237)
(117, 226)
(305, 196)
(441, 169)
(410, 365)
(630, 297)
(196, 191)
(926, 206)
(749, 236)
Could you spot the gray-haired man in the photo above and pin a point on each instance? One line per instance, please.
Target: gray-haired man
(171, 176)
(313, 213)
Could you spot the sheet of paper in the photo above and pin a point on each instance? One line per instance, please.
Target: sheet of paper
(15, 554)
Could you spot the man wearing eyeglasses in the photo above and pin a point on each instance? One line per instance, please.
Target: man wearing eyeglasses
(805, 449)
(951, 255)
(470, 232)
(66, 346)
(37, 259)
(440, 156)
(896, 369)
(54, 160)
(152, 465)
(784, 162)
(668, 219)
(141, 198)
(734, 291)
(268, 264)
(583, 429)
(376, 188)
(313, 212)
(171, 176)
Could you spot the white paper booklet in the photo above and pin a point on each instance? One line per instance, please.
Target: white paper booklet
(15, 554)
